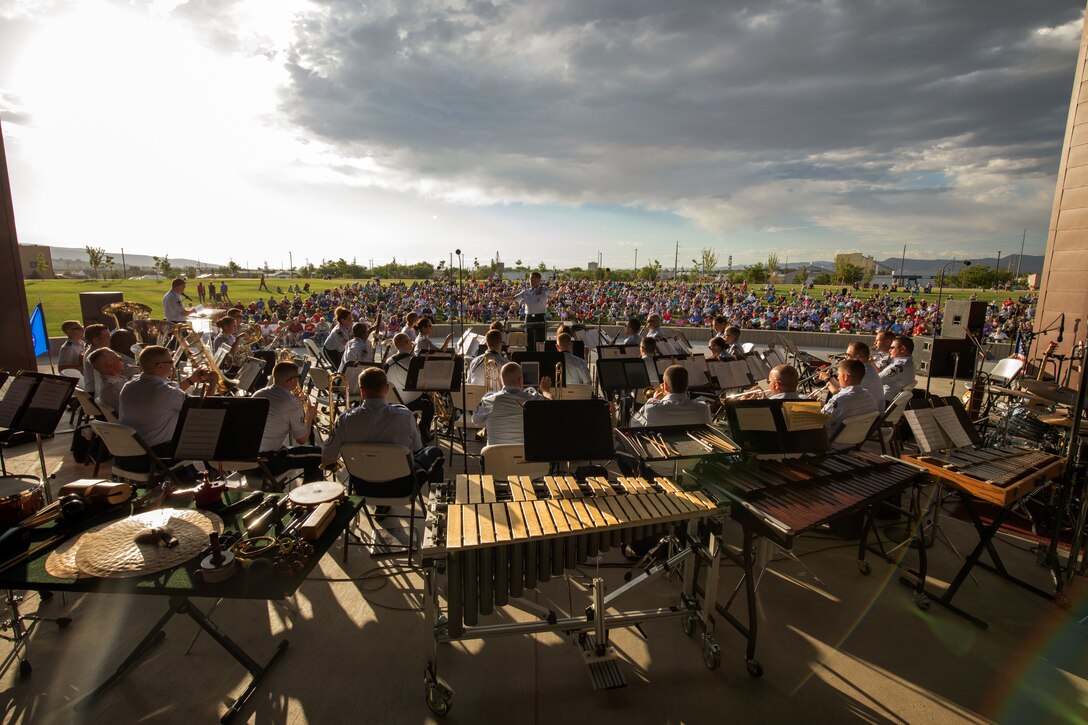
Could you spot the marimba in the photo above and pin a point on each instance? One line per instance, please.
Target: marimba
(1003, 476)
(501, 538)
(782, 498)
(489, 541)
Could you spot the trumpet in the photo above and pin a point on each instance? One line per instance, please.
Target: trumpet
(659, 392)
(752, 394)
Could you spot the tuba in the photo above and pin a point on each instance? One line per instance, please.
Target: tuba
(133, 310)
(197, 352)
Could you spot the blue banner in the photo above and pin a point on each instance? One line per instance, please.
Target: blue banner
(37, 331)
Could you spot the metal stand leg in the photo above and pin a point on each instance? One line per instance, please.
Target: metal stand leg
(182, 605)
(21, 625)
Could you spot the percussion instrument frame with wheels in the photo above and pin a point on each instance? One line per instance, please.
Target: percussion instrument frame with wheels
(685, 553)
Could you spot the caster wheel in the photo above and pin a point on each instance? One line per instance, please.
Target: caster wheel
(754, 668)
(63, 622)
(439, 700)
(864, 568)
(1063, 601)
(688, 624)
(922, 602)
(712, 654)
(25, 669)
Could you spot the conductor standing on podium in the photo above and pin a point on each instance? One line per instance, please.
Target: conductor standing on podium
(535, 301)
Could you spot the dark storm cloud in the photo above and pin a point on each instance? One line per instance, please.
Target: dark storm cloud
(694, 104)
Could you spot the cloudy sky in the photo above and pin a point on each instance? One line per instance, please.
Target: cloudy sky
(540, 130)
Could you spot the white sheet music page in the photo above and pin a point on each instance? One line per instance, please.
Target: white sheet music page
(741, 374)
(436, 375)
(950, 423)
(16, 395)
(697, 370)
(200, 434)
(589, 338)
(756, 419)
(926, 431)
(721, 372)
(50, 394)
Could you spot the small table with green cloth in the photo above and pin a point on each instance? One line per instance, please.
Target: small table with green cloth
(180, 583)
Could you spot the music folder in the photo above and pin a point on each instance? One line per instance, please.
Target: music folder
(567, 430)
(434, 373)
(35, 402)
(220, 429)
(777, 426)
(622, 374)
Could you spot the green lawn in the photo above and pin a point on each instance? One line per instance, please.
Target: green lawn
(60, 297)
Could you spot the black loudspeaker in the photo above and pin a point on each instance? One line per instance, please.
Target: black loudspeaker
(962, 316)
(91, 304)
(935, 357)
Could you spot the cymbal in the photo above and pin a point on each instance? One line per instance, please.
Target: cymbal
(319, 492)
(121, 548)
(998, 390)
(1051, 391)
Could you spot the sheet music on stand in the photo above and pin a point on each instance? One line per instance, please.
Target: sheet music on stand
(622, 374)
(730, 373)
(937, 429)
(592, 339)
(216, 429)
(469, 343)
(35, 402)
(757, 366)
(698, 373)
(611, 352)
(927, 432)
(773, 427)
(434, 373)
(15, 399)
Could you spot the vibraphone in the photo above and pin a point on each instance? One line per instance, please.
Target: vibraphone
(1004, 476)
(489, 541)
(779, 500)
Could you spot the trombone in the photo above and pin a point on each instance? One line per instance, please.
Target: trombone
(492, 380)
(557, 388)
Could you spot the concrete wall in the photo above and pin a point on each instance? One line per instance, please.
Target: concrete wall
(1065, 267)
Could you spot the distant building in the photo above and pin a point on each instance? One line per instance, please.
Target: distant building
(867, 263)
(592, 266)
(36, 262)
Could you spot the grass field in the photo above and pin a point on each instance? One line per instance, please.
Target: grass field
(60, 297)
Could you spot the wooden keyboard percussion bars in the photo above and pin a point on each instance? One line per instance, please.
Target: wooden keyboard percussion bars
(1003, 476)
(488, 541)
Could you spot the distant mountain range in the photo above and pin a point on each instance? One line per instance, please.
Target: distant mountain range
(71, 254)
(1031, 264)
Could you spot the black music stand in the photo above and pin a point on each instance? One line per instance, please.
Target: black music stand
(567, 430)
(35, 403)
(220, 429)
(449, 381)
(761, 426)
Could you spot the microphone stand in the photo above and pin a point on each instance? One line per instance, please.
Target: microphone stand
(1061, 579)
(464, 368)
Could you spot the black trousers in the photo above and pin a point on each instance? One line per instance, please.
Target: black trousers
(425, 406)
(308, 458)
(536, 330)
(334, 356)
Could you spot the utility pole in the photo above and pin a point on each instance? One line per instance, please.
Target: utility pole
(1022, 240)
(997, 267)
(291, 260)
(903, 261)
(636, 259)
(124, 269)
(676, 260)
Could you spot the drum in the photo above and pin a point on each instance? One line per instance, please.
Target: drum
(20, 497)
(1025, 428)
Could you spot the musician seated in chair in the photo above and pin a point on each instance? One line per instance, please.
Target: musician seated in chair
(396, 371)
(782, 382)
(151, 402)
(717, 348)
(97, 336)
(501, 411)
(630, 333)
(871, 382)
(653, 326)
(732, 343)
(851, 399)
(647, 348)
(358, 349)
(671, 404)
(289, 415)
(376, 421)
(113, 374)
(575, 368)
(898, 374)
(477, 369)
